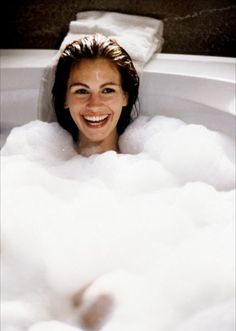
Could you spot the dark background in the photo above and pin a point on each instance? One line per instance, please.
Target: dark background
(190, 27)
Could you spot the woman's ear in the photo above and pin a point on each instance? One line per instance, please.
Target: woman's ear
(65, 102)
(125, 99)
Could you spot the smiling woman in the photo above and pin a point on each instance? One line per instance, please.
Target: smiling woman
(95, 99)
(96, 86)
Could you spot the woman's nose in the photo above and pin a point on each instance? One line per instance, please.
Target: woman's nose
(94, 100)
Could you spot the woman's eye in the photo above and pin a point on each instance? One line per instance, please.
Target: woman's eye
(81, 91)
(108, 90)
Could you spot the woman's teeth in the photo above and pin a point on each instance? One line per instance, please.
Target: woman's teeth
(96, 119)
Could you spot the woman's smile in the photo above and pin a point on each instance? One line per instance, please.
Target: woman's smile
(96, 121)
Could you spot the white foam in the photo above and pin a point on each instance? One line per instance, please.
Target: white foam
(153, 228)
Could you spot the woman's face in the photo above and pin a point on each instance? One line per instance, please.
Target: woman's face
(95, 98)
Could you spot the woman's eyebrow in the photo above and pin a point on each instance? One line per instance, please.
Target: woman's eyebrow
(78, 84)
(110, 83)
(85, 85)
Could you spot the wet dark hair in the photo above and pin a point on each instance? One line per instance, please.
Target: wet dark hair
(93, 47)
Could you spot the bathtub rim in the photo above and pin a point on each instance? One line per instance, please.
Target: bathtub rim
(18, 63)
(40, 58)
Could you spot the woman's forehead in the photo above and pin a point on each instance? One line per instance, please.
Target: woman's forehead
(98, 69)
(96, 62)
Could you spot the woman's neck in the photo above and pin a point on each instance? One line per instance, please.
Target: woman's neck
(86, 147)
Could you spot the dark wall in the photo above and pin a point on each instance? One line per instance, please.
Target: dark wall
(190, 27)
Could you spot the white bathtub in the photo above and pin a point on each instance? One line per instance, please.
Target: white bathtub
(196, 89)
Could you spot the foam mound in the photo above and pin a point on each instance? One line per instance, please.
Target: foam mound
(142, 240)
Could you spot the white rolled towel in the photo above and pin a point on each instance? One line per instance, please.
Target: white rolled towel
(140, 36)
